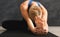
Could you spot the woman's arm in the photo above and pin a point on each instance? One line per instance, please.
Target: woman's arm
(44, 17)
(42, 22)
(44, 13)
(23, 8)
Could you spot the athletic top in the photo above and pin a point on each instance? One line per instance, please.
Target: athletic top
(30, 2)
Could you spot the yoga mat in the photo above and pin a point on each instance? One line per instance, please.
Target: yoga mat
(24, 34)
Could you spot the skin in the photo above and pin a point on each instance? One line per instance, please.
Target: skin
(34, 11)
(40, 20)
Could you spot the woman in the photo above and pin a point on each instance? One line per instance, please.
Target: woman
(31, 16)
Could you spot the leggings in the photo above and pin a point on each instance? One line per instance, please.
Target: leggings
(15, 25)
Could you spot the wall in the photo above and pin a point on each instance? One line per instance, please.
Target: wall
(9, 10)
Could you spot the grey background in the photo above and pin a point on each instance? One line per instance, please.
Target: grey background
(9, 10)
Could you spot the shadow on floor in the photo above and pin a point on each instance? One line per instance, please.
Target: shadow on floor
(24, 34)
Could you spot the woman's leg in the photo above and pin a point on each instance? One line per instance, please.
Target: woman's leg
(10, 24)
(14, 25)
(22, 25)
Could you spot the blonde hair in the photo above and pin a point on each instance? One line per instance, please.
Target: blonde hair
(34, 11)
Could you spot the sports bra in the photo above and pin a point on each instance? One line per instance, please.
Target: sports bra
(30, 2)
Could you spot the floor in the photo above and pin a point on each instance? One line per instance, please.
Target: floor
(53, 29)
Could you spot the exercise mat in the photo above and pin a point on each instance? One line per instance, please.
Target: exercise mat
(24, 34)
